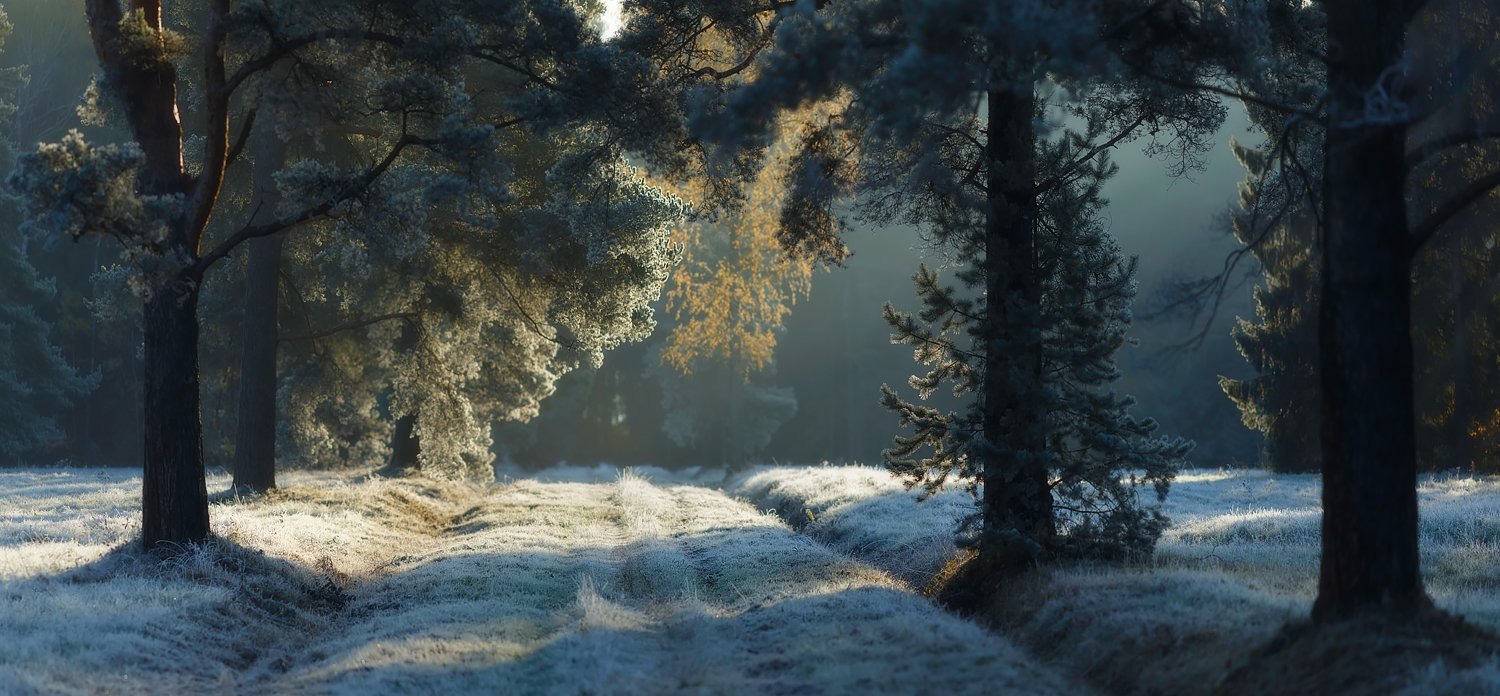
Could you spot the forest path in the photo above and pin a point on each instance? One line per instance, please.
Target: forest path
(631, 587)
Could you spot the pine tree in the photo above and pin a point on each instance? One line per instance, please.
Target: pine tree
(401, 72)
(1098, 454)
(1282, 400)
(37, 385)
(942, 130)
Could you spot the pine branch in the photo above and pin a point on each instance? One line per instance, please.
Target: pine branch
(350, 326)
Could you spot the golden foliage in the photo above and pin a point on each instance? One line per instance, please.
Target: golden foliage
(736, 284)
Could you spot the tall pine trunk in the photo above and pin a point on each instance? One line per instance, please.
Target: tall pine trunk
(174, 496)
(1370, 557)
(1457, 431)
(255, 429)
(406, 447)
(1017, 500)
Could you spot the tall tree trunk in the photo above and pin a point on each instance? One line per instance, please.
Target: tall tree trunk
(255, 432)
(406, 447)
(1457, 430)
(174, 496)
(1017, 500)
(1369, 455)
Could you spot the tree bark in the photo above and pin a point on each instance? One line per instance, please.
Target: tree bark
(1457, 430)
(1017, 500)
(406, 447)
(255, 429)
(1369, 549)
(174, 496)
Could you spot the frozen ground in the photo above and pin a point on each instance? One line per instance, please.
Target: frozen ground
(1240, 559)
(339, 583)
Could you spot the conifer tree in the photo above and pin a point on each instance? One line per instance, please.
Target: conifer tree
(401, 70)
(37, 385)
(1282, 400)
(942, 130)
(1099, 453)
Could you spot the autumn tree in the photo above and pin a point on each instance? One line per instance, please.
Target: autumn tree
(728, 301)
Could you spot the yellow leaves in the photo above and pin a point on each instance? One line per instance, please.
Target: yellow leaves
(736, 285)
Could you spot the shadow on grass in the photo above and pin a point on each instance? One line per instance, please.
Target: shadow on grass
(756, 608)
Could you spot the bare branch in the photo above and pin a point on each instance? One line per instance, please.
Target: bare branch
(240, 140)
(1453, 206)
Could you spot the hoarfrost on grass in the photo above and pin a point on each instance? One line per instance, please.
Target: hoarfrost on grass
(1240, 559)
(340, 583)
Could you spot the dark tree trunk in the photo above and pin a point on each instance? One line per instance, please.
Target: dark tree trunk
(255, 428)
(255, 431)
(1457, 430)
(406, 447)
(1017, 500)
(174, 496)
(1370, 557)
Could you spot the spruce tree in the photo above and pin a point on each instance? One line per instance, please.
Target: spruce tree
(37, 385)
(941, 126)
(1282, 400)
(1099, 454)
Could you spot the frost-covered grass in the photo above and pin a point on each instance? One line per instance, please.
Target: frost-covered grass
(863, 511)
(1239, 561)
(343, 584)
(82, 611)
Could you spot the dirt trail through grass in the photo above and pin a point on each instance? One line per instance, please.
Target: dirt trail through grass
(630, 587)
(342, 584)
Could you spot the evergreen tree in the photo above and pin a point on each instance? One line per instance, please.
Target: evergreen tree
(37, 385)
(1456, 389)
(400, 69)
(1099, 453)
(942, 129)
(1282, 400)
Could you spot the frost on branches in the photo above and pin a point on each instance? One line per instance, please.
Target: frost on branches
(491, 303)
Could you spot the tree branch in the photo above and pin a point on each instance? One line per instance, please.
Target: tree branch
(205, 191)
(282, 49)
(240, 140)
(1047, 185)
(249, 232)
(1232, 94)
(1453, 206)
(1432, 148)
(350, 326)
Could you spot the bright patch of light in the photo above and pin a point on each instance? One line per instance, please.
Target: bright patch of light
(612, 20)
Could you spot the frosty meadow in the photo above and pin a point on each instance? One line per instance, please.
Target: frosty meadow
(586, 580)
